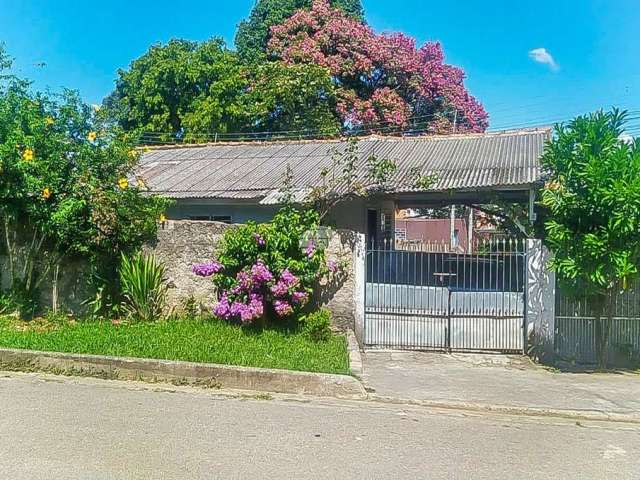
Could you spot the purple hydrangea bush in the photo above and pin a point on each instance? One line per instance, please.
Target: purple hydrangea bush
(267, 271)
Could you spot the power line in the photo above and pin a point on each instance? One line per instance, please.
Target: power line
(158, 138)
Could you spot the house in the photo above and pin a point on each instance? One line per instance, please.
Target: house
(238, 182)
(391, 297)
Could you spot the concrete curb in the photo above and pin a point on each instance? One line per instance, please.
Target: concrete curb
(585, 415)
(185, 373)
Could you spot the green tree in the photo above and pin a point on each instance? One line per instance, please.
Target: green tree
(593, 227)
(291, 98)
(182, 84)
(65, 186)
(190, 90)
(253, 33)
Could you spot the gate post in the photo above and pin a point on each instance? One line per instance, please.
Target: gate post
(448, 336)
(359, 285)
(540, 303)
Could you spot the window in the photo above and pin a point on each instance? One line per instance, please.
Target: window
(222, 218)
(209, 218)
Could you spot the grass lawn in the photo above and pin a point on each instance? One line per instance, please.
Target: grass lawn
(194, 340)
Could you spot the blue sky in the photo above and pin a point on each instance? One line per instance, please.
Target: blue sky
(594, 45)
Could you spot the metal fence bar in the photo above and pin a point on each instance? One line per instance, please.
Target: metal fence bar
(575, 329)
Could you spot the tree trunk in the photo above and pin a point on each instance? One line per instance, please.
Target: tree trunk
(54, 293)
(10, 252)
(603, 327)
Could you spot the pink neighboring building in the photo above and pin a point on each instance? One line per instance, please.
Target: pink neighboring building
(432, 231)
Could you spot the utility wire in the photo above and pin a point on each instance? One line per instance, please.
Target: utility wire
(157, 138)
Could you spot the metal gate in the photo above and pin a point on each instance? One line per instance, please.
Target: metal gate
(450, 301)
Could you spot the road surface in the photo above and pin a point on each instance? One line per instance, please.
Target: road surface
(75, 428)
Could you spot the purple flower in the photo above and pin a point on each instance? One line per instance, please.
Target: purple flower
(311, 248)
(207, 269)
(256, 304)
(332, 265)
(282, 308)
(300, 298)
(244, 282)
(259, 240)
(221, 309)
(280, 289)
(238, 309)
(288, 278)
(260, 274)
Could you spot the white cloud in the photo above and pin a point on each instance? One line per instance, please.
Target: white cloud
(541, 55)
(626, 138)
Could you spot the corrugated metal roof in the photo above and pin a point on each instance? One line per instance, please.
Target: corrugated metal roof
(257, 170)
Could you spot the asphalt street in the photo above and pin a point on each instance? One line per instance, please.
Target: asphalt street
(76, 428)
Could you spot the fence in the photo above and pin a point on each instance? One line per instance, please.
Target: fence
(575, 329)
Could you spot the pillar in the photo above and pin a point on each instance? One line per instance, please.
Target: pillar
(540, 303)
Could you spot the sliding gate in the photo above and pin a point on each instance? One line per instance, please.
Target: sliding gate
(447, 301)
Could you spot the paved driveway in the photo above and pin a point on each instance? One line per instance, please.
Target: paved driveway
(497, 380)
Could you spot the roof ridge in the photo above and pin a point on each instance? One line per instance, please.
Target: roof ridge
(374, 137)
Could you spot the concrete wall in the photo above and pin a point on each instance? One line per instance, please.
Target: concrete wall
(71, 284)
(179, 245)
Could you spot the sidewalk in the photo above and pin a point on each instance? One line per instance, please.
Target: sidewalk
(499, 382)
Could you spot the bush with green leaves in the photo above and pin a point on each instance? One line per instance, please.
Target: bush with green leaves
(593, 202)
(317, 325)
(267, 271)
(144, 287)
(67, 187)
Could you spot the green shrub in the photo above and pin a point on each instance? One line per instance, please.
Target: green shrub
(317, 325)
(8, 304)
(143, 285)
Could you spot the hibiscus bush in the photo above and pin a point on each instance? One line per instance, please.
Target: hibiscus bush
(267, 271)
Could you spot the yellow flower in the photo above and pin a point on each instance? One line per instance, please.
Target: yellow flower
(46, 193)
(163, 218)
(132, 153)
(140, 183)
(123, 183)
(27, 155)
(92, 136)
(49, 121)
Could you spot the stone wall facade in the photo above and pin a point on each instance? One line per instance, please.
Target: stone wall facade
(178, 246)
(338, 294)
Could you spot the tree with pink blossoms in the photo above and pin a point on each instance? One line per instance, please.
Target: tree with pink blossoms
(384, 82)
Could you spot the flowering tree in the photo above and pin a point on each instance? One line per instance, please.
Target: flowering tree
(381, 78)
(253, 33)
(267, 270)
